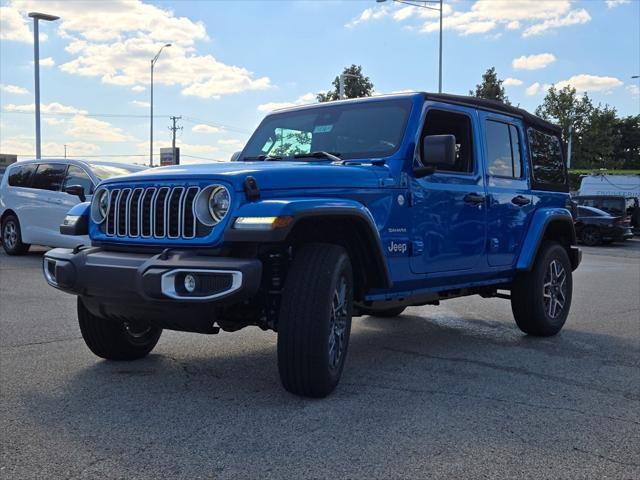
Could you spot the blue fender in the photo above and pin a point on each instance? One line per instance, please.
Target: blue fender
(304, 208)
(541, 220)
(81, 209)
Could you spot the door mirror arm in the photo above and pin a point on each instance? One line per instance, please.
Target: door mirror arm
(77, 190)
(421, 172)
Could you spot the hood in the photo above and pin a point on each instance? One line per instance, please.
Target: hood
(269, 175)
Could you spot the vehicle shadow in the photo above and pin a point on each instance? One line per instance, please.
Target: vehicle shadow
(441, 381)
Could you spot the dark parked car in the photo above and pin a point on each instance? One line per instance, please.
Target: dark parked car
(595, 226)
(615, 205)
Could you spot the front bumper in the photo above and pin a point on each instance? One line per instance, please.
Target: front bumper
(132, 278)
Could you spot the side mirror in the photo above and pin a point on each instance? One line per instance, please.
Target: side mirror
(436, 150)
(77, 190)
(236, 156)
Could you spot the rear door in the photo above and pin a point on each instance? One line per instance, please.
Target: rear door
(509, 202)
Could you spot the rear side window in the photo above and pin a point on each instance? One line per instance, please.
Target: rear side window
(77, 176)
(21, 176)
(546, 159)
(49, 176)
(503, 150)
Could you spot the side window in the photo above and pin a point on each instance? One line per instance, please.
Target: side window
(77, 176)
(546, 158)
(49, 176)
(440, 122)
(503, 150)
(21, 176)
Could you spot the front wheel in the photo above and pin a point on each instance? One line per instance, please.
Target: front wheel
(315, 320)
(541, 298)
(116, 340)
(591, 236)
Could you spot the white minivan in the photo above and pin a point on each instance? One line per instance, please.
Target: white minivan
(35, 196)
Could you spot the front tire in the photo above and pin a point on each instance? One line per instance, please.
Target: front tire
(541, 298)
(315, 320)
(115, 340)
(12, 237)
(591, 237)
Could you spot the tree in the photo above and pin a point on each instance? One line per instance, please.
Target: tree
(600, 138)
(627, 150)
(491, 87)
(354, 87)
(571, 113)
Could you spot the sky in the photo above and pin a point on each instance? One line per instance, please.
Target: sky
(231, 62)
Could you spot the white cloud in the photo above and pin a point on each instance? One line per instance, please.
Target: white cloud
(14, 89)
(634, 90)
(231, 143)
(302, 100)
(616, 3)
(115, 40)
(533, 62)
(590, 83)
(536, 16)
(140, 104)
(73, 149)
(14, 26)
(533, 89)
(575, 17)
(512, 82)
(19, 145)
(94, 130)
(202, 128)
(138, 88)
(47, 62)
(24, 146)
(53, 121)
(53, 107)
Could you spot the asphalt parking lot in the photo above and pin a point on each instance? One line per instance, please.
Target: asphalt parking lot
(454, 391)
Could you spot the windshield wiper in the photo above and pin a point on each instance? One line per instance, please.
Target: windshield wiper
(334, 157)
(261, 158)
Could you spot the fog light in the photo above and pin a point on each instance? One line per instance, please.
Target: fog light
(189, 283)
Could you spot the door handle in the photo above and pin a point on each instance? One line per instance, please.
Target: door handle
(474, 198)
(520, 201)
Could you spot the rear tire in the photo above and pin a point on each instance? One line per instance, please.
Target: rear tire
(541, 298)
(315, 320)
(116, 340)
(12, 237)
(383, 312)
(591, 236)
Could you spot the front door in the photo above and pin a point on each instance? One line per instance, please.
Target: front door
(449, 206)
(509, 201)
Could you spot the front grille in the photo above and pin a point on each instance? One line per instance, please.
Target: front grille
(153, 212)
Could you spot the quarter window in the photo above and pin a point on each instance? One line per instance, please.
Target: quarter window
(503, 150)
(77, 176)
(21, 176)
(49, 176)
(546, 158)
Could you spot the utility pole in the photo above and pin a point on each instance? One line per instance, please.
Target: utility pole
(65, 150)
(173, 129)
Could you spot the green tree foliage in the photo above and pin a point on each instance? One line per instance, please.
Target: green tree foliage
(354, 87)
(599, 138)
(490, 87)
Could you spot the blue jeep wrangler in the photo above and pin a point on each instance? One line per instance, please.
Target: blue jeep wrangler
(333, 210)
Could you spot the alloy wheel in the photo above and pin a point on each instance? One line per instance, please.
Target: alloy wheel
(555, 289)
(338, 323)
(10, 237)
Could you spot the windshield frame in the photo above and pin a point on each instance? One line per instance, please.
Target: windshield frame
(405, 102)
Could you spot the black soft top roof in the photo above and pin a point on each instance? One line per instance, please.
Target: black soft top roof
(495, 105)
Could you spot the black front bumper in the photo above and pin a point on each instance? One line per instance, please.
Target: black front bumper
(133, 278)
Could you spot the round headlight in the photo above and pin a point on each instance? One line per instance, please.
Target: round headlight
(100, 206)
(219, 201)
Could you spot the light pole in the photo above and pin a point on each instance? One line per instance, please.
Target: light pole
(36, 68)
(341, 83)
(425, 4)
(153, 63)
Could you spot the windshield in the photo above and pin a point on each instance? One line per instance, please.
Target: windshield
(107, 171)
(351, 130)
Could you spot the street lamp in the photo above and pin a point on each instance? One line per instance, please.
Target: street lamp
(341, 83)
(36, 68)
(425, 4)
(153, 63)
